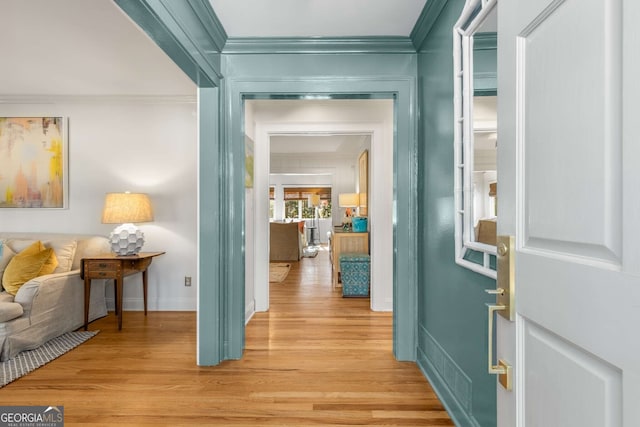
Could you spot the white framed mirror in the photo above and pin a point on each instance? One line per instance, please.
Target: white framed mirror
(475, 136)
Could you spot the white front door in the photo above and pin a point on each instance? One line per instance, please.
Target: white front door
(569, 191)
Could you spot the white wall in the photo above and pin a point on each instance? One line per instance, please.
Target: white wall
(340, 172)
(249, 235)
(484, 206)
(118, 144)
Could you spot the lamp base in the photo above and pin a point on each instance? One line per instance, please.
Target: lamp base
(126, 239)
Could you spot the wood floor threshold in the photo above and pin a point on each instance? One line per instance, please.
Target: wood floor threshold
(315, 359)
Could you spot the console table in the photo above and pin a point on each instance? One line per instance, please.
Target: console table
(343, 242)
(112, 266)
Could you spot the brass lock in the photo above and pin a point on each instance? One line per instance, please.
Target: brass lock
(505, 304)
(505, 291)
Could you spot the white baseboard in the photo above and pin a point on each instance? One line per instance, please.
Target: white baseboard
(249, 311)
(137, 304)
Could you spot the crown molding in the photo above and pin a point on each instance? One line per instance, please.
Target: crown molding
(426, 21)
(188, 32)
(211, 25)
(98, 99)
(318, 45)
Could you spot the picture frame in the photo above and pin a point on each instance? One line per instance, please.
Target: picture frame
(34, 162)
(363, 183)
(248, 162)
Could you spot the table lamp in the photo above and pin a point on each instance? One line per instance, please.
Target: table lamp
(348, 200)
(126, 209)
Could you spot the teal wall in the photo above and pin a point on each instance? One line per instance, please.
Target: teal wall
(452, 316)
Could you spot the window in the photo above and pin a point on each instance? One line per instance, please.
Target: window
(272, 202)
(296, 202)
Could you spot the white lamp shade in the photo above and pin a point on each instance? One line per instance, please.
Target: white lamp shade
(126, 208)
(348, 200)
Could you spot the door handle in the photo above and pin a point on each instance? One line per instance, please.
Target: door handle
(505, 303)
(502, 369)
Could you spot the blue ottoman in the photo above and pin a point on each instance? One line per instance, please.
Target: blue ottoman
(354, 270)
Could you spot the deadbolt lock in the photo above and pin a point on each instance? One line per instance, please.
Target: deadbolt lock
(505, 291)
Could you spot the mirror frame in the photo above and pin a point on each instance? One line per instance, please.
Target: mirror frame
(472, 16)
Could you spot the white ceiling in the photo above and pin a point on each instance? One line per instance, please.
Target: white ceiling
(317, 144)
(316, 18)
(91, 48)
(80, 47)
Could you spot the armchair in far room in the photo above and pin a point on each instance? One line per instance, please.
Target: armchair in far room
(285, 241)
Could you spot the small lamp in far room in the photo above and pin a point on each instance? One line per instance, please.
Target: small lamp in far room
(126, 209)
(349, 201)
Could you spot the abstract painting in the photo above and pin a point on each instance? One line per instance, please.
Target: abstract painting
(33, 162)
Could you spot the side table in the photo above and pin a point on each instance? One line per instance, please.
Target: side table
(112, 266)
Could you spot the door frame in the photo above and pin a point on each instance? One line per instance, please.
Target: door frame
(404, 92)
(379, 217)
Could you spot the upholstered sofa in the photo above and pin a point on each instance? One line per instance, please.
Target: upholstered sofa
(286, 241)
(52, 304)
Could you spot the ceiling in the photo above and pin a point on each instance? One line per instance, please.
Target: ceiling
(67, 48)
(80, 47)
(319, 144)
(317, 18)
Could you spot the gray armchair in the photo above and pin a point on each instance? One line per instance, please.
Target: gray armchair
(285, 241)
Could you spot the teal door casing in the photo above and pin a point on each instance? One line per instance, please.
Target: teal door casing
(293, 75)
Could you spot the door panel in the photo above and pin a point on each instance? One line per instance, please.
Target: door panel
(567, 124)
(571, 170)
(546, 396)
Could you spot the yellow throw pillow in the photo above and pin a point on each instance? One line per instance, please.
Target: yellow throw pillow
(26, 265)
(32, 249)
(36, 248)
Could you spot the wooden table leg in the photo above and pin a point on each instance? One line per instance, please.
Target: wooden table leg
(115, 296)
(87, 298)
(118, 287)
(144, 290)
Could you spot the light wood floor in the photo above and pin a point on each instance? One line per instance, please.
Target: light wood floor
(313, 359)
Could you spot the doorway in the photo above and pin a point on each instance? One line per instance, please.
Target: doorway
(230, 294)
(369, 121)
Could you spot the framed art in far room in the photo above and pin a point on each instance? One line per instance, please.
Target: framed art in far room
(363, 182)
(33, 162)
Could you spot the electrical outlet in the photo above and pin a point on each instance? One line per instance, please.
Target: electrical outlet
(187, 280)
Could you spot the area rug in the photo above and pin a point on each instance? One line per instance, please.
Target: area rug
(30, 360)
(278, 271)
(310, 252)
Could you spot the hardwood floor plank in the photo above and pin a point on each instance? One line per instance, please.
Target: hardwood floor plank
(314, 359)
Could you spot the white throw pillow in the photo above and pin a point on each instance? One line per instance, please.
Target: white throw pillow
(65, 250)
